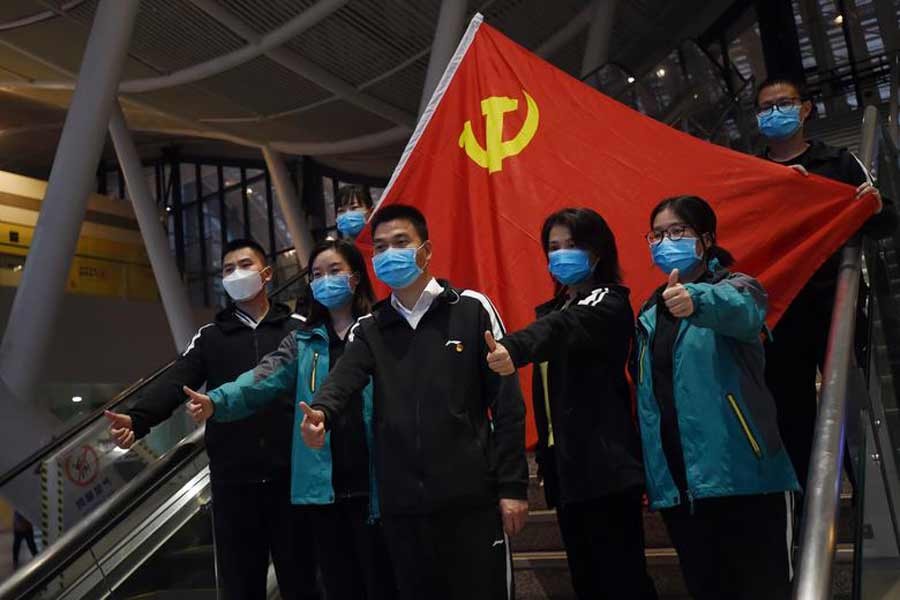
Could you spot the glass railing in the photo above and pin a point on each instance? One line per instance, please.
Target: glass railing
(877, 548)
(152, 535)
(81, 468)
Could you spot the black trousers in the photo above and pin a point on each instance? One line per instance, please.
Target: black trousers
(252, 521)
(792, 359)
(454, 555)
(18, 538)
(738, 547)
(604, 541)
(352, 552)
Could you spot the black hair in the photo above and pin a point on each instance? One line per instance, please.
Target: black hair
(403, 212)
(363, 296)
(589, 232)
(795, 82)
(696, 212)
(347, 193)
(241, 243)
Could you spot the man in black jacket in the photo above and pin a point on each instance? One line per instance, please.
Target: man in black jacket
(249, 460)
(449, 433)
(797, 345)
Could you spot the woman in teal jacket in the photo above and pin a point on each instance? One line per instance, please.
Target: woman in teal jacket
(714, 461)
(337, 481)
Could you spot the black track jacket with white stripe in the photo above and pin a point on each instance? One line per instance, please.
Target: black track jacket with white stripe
(449, 432)
(254, 449)
(588, 444)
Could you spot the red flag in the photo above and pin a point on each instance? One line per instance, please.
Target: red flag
(508, 138)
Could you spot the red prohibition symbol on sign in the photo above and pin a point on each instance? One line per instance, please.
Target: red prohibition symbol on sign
(83, 466)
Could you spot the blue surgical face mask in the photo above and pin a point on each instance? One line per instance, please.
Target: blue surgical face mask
(332, 291)
(569, 266)
(351, 222)
(679, 254)
(397, 267)
(780, 124)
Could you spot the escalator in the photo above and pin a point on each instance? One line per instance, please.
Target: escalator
(123, 524)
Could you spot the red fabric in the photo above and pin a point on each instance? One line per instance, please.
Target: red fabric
(590, 150)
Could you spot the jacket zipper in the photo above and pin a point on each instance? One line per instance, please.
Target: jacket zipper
(754, 445)
(312, 377)
(641, 362)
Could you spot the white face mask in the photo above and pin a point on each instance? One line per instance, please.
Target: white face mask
(243, 284)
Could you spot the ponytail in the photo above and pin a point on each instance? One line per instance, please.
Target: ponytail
(720, 254)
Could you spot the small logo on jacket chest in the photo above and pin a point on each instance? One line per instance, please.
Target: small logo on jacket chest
(455, 344)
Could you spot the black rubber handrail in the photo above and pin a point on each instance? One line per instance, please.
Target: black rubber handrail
(80, 538)
(60, 439)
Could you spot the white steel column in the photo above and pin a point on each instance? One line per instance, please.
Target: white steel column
(290, 204)
(35, 309)
(596, 51)
(171, 289)
(449, 29)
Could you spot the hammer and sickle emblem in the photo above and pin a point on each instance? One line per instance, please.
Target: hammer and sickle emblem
(493, 109)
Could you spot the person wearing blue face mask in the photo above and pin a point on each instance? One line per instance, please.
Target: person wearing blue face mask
(588, 449)
(796, 350)
(449, 432)
(335, 484)
(354, 206)
(715, 465)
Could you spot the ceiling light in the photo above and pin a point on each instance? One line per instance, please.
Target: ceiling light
(660, 72)
(168, 209)
(839, 20)
(630, 79)
(77, 399)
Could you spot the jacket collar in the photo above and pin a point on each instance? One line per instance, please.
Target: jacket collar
(386, 315)
(560, 299)
(817, 152)
(229, 322)
(321, 330)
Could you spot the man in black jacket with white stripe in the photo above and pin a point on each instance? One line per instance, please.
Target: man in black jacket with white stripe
(249, 460)
(449, 432)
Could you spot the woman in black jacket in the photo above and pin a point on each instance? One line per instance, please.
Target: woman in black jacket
(588, 447)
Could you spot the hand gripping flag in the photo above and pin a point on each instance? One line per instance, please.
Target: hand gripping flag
(507, 139)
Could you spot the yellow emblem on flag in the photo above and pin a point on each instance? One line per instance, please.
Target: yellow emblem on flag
(496, 149)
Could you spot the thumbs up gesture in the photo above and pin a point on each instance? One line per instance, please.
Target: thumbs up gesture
(498, 357)
(199, 406)
(677, 298)
(120, 428)
(312, 429)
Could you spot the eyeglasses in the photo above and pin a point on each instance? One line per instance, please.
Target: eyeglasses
(673, 232)
(782, 104)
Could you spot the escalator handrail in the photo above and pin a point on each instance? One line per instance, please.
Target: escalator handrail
(823, 486)
(75, 542)
(73, 430)
(58, 441)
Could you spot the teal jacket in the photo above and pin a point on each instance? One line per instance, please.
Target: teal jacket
(298, 366)
(726, 415)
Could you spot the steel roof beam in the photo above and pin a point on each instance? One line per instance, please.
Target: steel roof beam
(303, 67)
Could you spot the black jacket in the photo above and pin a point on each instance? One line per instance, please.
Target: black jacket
(436, 448)
(596, 449)
(257, 448)
(841, 165)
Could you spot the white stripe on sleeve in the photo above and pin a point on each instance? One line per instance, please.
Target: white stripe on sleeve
(497, 327)
(195, 338)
